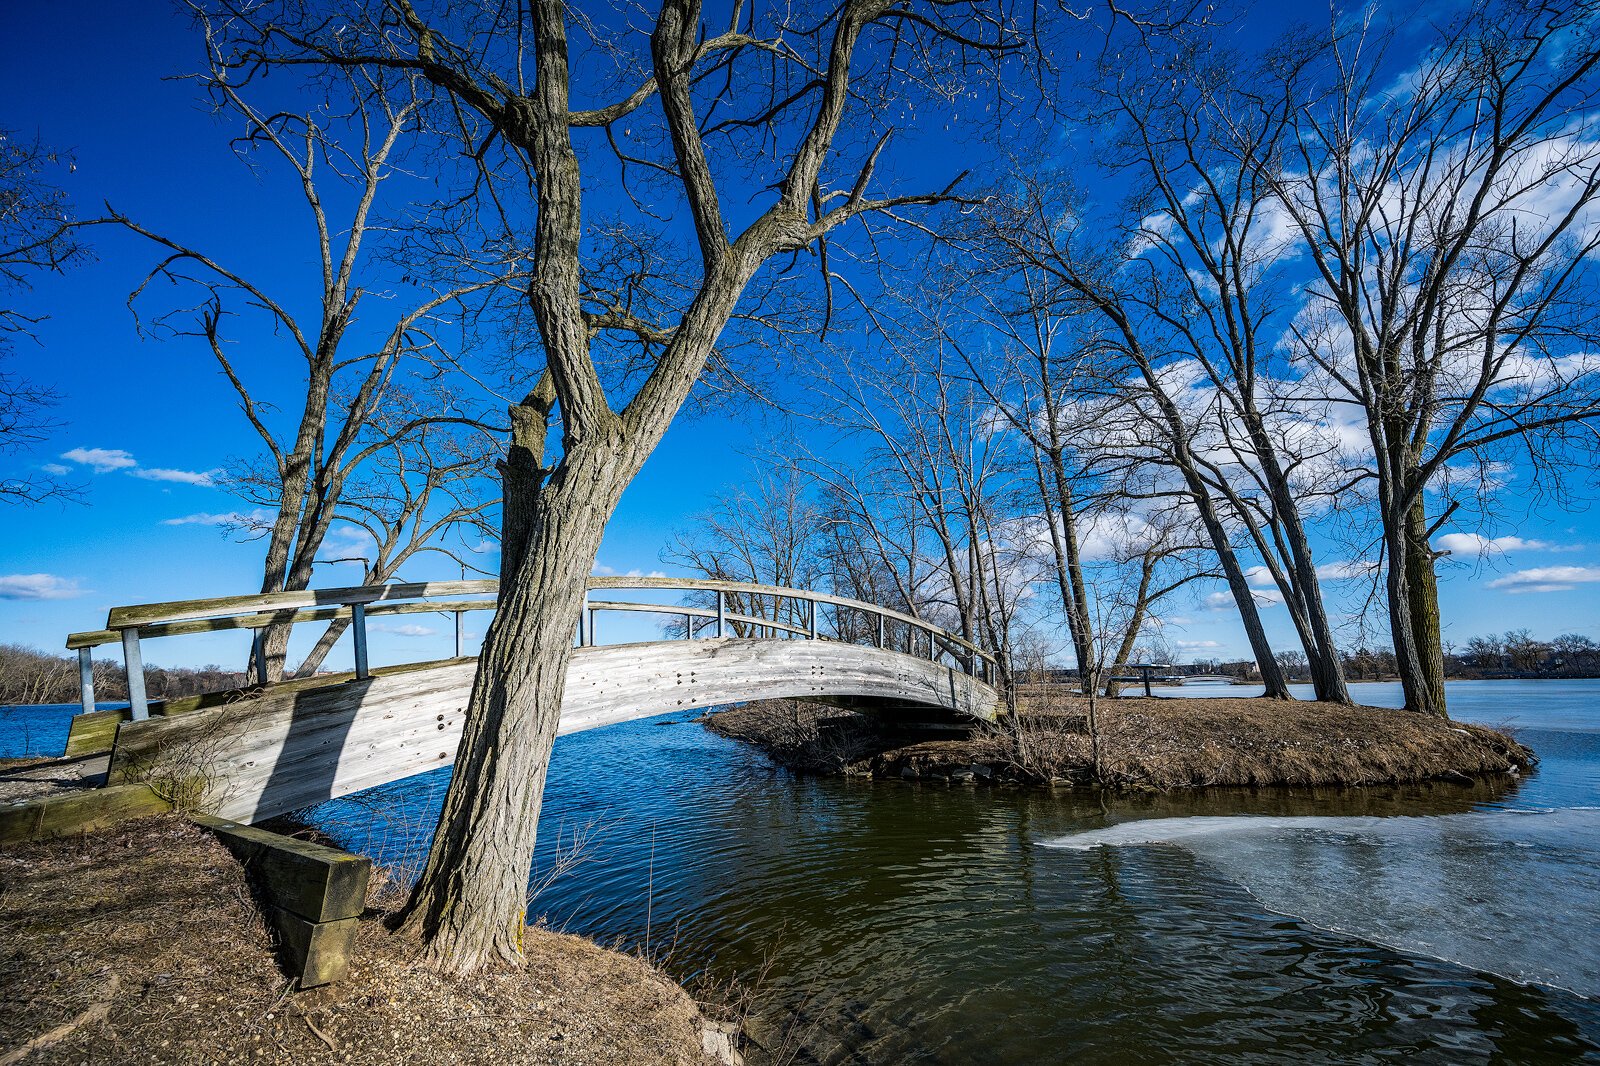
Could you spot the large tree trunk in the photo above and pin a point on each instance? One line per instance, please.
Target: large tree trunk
(1130, 636)
(1275, 684)
(1422, 591)
(1327, 672)
(1408, 656)
(1068, 563)
(483, 849)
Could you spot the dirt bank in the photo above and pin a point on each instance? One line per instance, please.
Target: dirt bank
(1144, 743)
(142, 945)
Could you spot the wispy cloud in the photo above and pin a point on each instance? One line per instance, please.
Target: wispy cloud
(407, 629)
(58, 469)
(252, 520)
(1478, 544)
(1547, 579)
(1198, 645)
(1265, 597)
(38, 587)
(203, 478)
(602, 570)
(1346, 569)
(101, 460)
(107, 460)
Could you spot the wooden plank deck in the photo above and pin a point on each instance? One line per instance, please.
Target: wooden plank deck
(282, 748)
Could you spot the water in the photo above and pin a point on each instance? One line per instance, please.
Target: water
(39, 730)
(902, 922)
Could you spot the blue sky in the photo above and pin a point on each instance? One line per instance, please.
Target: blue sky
(147, 419)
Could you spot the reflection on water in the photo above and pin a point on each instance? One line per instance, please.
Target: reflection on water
(908, 922)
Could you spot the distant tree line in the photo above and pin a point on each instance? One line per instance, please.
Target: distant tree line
(1517, 653)
(28, 676)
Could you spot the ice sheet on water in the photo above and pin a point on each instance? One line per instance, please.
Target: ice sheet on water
(1514, 893)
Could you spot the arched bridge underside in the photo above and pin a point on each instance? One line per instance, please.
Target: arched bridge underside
(279, 747)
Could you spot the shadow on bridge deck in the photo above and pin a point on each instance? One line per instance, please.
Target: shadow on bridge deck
(282, 747)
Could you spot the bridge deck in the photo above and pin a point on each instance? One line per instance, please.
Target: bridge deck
(289, 746)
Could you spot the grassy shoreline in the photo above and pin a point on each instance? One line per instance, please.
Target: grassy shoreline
(1163, 743)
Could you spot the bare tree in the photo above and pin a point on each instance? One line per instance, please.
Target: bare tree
(1210, 273)
(770, 533)
(425, 483)
(508, 77)
(1450, 224)
(36, 235)
(346, 151)
(942, 481)
(1158, 420)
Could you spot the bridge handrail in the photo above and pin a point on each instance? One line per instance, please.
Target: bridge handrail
(262, 609)
(257, 611)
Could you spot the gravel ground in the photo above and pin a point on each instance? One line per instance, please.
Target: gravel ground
(143, 945)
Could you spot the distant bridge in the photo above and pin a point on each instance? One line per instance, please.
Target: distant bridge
(1202, 679)
(274, 748)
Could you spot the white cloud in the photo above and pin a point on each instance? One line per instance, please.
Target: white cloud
(1198, 645)
(406, 629)
(101, 459)
(602, 570)
(1346, 569)
(1221, 601)
(1478, 544)
(58, 469)
(1259, 577)
(1547, 579)
(186, 477)
(105, 460)
(38, 587)
(256, 519)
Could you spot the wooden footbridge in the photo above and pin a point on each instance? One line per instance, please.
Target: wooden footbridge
(277, 747)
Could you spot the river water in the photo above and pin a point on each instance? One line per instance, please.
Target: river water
(889, 922)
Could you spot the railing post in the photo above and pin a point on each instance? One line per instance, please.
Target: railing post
(358, 627)
(880, 629)
(461, 637)
(688, 627)
(86, 678)
(722, 615)
(133, 662)
(258, 652)
(813, 613)
(593, 640)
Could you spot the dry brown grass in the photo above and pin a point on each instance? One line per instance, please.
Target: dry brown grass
(1156, 743)
(144, 945)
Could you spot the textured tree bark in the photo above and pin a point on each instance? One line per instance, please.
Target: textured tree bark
(1422, 590)
(482, 852)
(1275, 684)
(1327, 673)
(1130, 636)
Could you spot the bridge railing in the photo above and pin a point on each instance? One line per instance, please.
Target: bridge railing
(132, 625)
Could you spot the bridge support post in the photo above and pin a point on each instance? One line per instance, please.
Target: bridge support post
(880, 630)
(722, 614)
(813, 619)
(461, 636)
(358, 628)
(133, 662)
(86, 678)
(258, 654)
